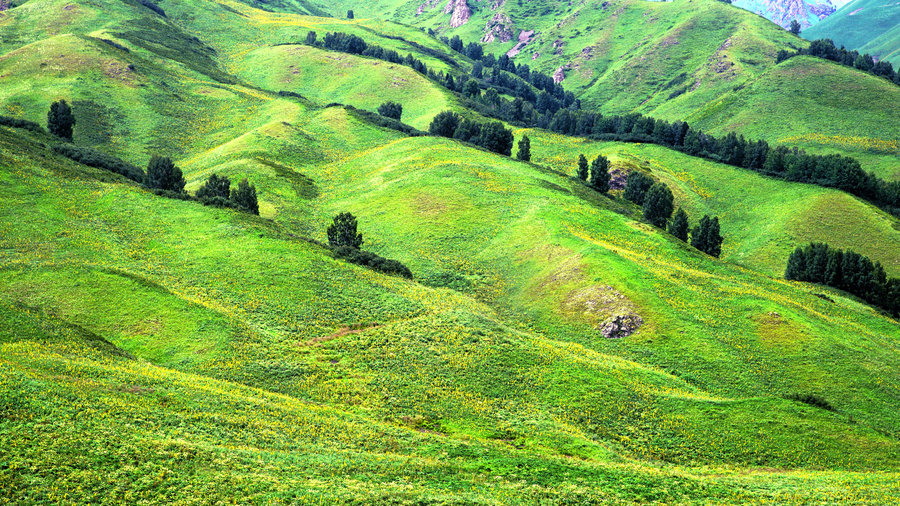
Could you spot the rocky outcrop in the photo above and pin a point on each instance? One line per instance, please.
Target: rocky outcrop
(559, 76)
(428, 5)
(621, 326)
(782, 12)
(498, 29)
(460, 12)
(525, 37)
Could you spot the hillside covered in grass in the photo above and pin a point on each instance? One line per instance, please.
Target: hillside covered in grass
(551, 346)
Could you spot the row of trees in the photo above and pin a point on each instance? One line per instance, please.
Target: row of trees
(162, 175)
(492, 136)
(657, 204)
(825, 48)
(835, 171)
(549, 112)
(845, 270)
(504, 73)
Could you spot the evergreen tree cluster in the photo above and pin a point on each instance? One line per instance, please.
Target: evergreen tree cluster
(217, 191)
(706, 236)
(825, 48)
(492, 136)
(354, 44)
(657, 204)
(597, 175)
(845, 270)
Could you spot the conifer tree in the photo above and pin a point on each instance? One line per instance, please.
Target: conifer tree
(707, 237)
(162, 174)
(600, 174)
(342, 232)
(524, 153)
(215, 187)
(391, 110)
(444, 124)
(680, 225)
(244, 196)
(796, 266)
(636, 187)
(658, 204)
(60, 120)
(582, 168)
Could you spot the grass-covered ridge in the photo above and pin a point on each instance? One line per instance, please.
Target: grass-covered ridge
(158, 350)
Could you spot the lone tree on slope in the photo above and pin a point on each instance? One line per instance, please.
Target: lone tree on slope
(350, 14)
(342, 232)
(524, 153)
(658, 204)
(162, 174)
(582, 168)
(60, 120)
(680, 225)
(795, 27)
(600, 174)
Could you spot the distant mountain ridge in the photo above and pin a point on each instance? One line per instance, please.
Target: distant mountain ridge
(807, 12)
(869, 26)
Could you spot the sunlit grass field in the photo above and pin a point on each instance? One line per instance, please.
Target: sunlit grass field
(158, 350)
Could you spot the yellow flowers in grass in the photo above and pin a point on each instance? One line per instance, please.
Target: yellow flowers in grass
(888, 146)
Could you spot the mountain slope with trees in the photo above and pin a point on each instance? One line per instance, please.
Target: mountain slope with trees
(409, 317)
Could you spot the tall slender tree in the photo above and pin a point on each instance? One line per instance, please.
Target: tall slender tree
(524, 153)
(658, 204)
(583, 171)
(60, 120)
(600, 174)
(680, 225)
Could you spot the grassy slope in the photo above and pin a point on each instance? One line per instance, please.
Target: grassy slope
(809, 114)
(763, 219)
(519, 365)
(865, 25)
(89, 248)
(685, 59)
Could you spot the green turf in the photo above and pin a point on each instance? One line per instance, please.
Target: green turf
(161, 351)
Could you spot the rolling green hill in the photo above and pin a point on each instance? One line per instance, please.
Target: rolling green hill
(683, 60)
(159, 350)
(869, 26)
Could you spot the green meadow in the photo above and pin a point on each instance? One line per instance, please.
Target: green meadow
(158, 350)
